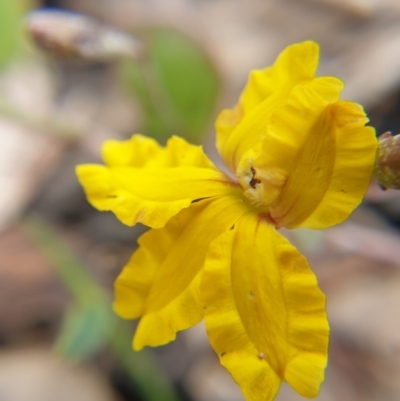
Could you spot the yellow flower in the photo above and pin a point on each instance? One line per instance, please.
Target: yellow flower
(298, 157)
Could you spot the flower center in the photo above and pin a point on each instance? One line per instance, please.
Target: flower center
(261, 186)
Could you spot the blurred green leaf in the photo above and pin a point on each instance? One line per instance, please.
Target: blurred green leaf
(188, 77)
(136, 84)
(10, 15)
(177, 86)
(86, 329)
(149, 376)
(91, 323)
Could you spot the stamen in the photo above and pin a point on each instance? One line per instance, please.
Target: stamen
(254, 181)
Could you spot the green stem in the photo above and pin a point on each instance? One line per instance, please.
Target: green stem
(68, 268)
(150, 380)
(143, 370)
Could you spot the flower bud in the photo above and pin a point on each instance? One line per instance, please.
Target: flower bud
(387, 167)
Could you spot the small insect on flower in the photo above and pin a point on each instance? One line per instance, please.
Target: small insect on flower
(71, 35)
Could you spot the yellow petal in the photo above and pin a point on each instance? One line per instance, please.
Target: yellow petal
(280, 304)
(242, 127)
(299, 138)
(187, 255)
(297, 63)
(160, 282)
(143, 182)
(158, 328)
(134, 152)
(266, 316)
(356, 147)
(141, 151)
(134, 282)
(328, 155)
(133, 286)
(236, 352)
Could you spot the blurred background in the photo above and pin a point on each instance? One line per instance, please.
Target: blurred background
(69, 82)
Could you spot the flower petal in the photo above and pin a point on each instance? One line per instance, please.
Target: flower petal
(272, 322)
(297, 63)
(141, 151)
(327, 153)
(160, 282)
(356, 147)
(236, 352)
(265, 175)
(280, 304)
(143, 182)
(187, 255)
(242, 127)
(160, 327)
(134, 283)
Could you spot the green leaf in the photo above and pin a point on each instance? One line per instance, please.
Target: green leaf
(86, 330)
(92, 324)
(177, 87)
(10, 31)
(189, 79)
(135, 82)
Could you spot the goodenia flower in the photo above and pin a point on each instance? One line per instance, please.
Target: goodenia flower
(298, 157)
